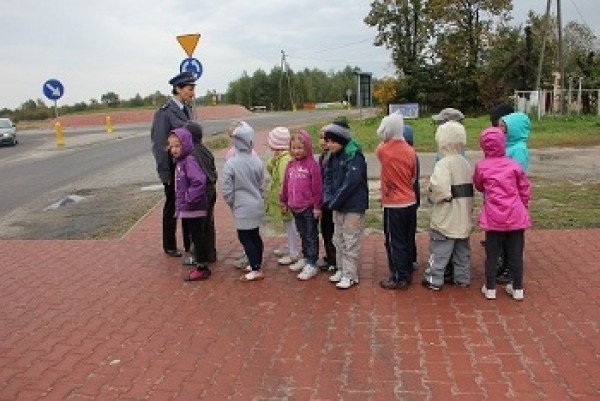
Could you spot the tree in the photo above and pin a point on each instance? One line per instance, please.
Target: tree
(110, 99)
(384, 91)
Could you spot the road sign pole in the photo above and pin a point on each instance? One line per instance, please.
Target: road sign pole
(55, 110)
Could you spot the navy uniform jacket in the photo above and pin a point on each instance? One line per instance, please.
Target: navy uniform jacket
(167, 118)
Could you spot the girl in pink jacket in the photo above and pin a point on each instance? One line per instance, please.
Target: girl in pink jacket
(504, 215)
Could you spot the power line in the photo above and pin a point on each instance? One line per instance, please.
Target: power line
(579, 12)
(337, 47)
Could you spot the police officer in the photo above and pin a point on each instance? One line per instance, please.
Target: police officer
(173, 114)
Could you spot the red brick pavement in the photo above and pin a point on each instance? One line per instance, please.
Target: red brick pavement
(108, 320)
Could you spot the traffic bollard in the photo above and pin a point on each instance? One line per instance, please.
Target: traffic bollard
(59, 134)
(109, 127)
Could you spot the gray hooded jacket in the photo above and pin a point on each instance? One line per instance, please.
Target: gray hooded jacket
(243, 181)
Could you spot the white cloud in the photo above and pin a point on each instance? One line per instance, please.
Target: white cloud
(130, 46)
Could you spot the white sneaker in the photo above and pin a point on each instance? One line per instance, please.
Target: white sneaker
(346, 283)
(248, 268)
(287, 260)
(299, 265)
(309, 271)
(489, 294)
(281, 251)
(517, 295)
(336, 277)
(253, 276)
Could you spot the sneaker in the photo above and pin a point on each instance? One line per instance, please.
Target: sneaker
(298, 265)
(517, 295)
(248, 268)
(489, 294)
(254, 275)
(287, 260)
(279, 252)
(461, 285)
(309, 271)
(346, 283)
(240, 262)
(188, 259)
(336, 277)
(430, 286)
(201, 273)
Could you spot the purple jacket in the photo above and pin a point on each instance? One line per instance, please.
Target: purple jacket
(506, 189)
(302, 185)
(190, 180)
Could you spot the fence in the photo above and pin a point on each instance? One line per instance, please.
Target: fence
(548, 102)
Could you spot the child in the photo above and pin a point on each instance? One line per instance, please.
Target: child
(346, 193)
(279, 142)
(517, 128)
(241, 260)
(398, 175)
(191, 204)
(408, 135)
(504, 215)
(451, 192)
(302, 193)
(207, 163)
(326, 224)
(243, 181)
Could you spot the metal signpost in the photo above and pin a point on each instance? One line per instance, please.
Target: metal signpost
(53, 89)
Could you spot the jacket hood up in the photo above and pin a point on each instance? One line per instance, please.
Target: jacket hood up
(451, 138)
(187, 145)
(518, 127)
(493, 142)
(243, 137)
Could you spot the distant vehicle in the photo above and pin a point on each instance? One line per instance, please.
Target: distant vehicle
(8, 132)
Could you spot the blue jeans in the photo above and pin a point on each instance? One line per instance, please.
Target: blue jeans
(306, 224)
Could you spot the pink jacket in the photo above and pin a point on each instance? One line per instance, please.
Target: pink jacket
(302, 185)
(506, 189)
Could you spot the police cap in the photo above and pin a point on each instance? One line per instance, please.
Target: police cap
(182, 79)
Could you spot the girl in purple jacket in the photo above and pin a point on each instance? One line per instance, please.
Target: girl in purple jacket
(504, 215)
(302, 193)
(191, 203)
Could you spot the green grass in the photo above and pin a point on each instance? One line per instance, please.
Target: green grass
(562, 131)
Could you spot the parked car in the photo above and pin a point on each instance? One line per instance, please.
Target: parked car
(8, 132)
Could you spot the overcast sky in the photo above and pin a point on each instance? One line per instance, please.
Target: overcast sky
(130, 46)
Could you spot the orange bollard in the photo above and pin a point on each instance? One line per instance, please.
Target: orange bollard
(109, 127)
(59, 134)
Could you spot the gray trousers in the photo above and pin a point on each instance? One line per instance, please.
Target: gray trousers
(347, 235)
(443, 249)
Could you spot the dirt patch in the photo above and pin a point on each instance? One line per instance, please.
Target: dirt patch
(103, 213)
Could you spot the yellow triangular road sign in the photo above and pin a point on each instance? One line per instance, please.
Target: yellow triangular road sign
(189, 42)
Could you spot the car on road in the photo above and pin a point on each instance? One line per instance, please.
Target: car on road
(8, 132)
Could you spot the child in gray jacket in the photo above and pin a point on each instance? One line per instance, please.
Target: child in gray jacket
(243, 183)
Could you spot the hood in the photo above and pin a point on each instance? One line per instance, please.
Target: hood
(408, 134)
(185, 137)
(391, 127)
(451, 138)
(493, 142)
(518, 127)
(308, 146)
(243, 137)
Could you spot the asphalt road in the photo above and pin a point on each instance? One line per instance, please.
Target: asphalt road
(37, 173)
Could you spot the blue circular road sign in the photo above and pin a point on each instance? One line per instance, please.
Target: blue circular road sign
(192, 65)
(53, 89)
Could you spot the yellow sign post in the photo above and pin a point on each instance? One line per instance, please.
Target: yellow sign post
(189, 42)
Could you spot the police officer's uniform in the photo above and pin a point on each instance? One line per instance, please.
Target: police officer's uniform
(168, 117)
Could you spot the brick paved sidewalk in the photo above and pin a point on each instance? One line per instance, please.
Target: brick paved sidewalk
(108, 320)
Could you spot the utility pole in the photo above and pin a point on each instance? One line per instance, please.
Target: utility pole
(538, 82)
(280, 79)
(561, 63)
